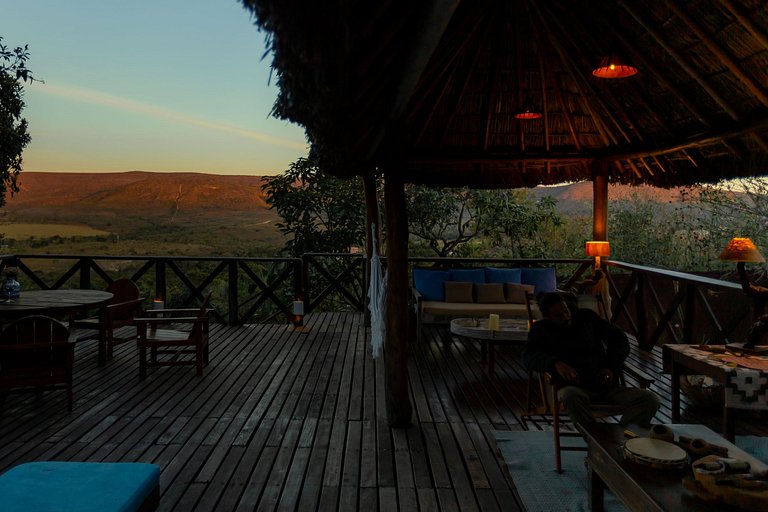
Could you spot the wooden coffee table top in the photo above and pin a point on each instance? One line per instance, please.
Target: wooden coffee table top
(645, 488)
(510, 329)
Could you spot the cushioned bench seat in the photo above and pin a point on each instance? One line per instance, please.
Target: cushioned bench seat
(434, 307)
(80, 487)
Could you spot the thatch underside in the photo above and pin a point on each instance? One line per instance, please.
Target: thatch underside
(431, 88)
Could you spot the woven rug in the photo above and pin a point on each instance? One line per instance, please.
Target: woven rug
(530, 459)
(531, 462)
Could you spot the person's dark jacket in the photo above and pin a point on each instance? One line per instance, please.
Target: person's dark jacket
(588, 344)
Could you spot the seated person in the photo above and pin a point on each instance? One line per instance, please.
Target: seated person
(584, 354)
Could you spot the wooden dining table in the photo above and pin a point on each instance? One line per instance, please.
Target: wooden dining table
(60, 304)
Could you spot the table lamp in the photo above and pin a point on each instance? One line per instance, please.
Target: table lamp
(597, 249)
(743, 251)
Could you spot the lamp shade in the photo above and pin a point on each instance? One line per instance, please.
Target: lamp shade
(598, 248)
(741, 249)
(528, 111)
(613, 67)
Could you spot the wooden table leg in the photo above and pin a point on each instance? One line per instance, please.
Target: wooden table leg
(675, 388)
(491, 358)
(483, 351)
(729, 423)
(596, 488)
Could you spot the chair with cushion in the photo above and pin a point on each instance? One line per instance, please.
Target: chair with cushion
(174, 343)
(35, 352)
(119, 312)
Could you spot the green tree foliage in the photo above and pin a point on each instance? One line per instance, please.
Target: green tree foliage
(320, 213)
(443, 220)
(515, 221)
(13, 128)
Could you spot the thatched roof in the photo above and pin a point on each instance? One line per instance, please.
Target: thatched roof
(431, 87)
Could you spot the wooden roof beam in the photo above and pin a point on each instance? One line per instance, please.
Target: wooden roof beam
(746, 22)
(751, 84)
(680, 60)
(702, 140)
(564, 59)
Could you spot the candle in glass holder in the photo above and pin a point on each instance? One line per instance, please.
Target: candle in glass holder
(493, 322)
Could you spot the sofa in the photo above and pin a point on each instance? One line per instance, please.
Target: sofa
(477, 292)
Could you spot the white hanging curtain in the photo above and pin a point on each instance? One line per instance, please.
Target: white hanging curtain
(376, 295)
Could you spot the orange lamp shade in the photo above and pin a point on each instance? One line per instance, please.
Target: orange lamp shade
(598, 248)
(613, 67)
(741, 250)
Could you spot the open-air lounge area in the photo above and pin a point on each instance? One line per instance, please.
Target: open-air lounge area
(264, 394)
(290, 413)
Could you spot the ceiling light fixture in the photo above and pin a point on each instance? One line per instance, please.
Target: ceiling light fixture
(528, 111)
(613, 67)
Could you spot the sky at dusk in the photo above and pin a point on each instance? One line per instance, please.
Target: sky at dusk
(150, 85)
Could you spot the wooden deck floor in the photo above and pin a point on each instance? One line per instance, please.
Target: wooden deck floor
(293, 420)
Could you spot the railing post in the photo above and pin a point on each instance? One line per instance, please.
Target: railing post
(642, 323)
(301, 283)
(689, 313)
(160, 284)
(85, 274)
(233, 289)
(299, 293)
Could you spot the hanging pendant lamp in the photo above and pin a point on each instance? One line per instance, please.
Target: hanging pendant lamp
(528, 111)
(613, 67)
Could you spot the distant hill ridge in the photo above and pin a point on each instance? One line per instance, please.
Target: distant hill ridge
(146, 190)
(171, 192)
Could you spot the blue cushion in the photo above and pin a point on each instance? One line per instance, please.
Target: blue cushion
(502, 275)
(542, 279)
(429, 283)
(468, 275)
(77, 486)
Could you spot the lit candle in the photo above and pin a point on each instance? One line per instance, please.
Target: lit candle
(493, 322)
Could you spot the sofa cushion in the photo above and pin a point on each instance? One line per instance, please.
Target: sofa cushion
(429, 283)
(456, 309)
(543, 279)
(458, 291)
(471, 275)
(502, 275)
(515, 293)
(489, 293)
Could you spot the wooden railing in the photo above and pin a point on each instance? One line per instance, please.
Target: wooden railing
(657, 306)
(663, 306)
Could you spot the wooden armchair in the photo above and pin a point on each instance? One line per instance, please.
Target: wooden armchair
(35, 352)
(174, 343)
(119, 312)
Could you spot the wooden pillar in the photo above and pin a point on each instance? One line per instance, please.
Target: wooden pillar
(396, 342)
(599, 200)
(371, 217)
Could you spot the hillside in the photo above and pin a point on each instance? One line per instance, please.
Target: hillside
(154, 192)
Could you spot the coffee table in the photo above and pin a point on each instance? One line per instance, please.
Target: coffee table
(511, 331)
(641, 487)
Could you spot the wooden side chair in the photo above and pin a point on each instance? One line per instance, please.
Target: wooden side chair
(122, 308)
(174, 343)
(554, 408)
(35, 352)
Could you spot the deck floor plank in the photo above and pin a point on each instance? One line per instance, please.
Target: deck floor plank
(295, 419)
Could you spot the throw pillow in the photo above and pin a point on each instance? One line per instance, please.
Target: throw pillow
(543, 279)
(471, 275)
(458, 291)
(489, 293)
(502, 275)
(515, 293)
(429, 283)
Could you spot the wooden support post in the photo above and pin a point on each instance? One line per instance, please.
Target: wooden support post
(396, 342)
(600, 200)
